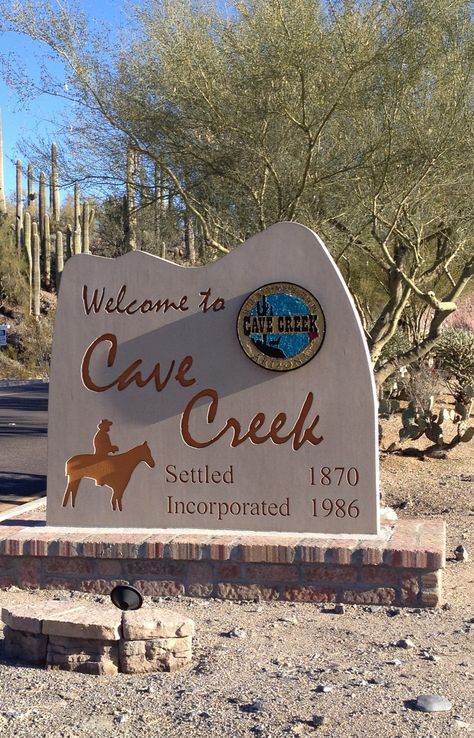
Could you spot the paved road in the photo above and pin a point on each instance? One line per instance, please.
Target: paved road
(23, 433)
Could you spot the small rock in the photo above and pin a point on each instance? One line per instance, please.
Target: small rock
(121, 717)
(430, 656)
(393, 611)
(394, 662)
(432, 703)
(466, 478)
(252, 707)
(15, 714)
(324, 688)
(336, 610)
(373, 608)
(405, 643)
(461, 553)
(376, 680)
(237, 633)
(317, 721)
(291, 619)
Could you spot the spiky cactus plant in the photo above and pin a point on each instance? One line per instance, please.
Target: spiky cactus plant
(59, 258)
(19, 206)
(55, 203)
(36, 273)
(47, 250)
(88, 215)
(77, 220)
(42, 209)
(69, 239)
(3, 203)
(31, 192)
(27, 241)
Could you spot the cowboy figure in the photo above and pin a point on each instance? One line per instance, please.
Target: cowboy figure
(102, 443)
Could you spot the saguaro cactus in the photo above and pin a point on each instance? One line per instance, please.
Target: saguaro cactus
(19, 206)
(3, 204)
(27, 240)
(31, 192)
(59, 258)
(54, 186)
(76, 240)
(69, 239)
(42, 207)
(35, 274)
(88, 215)
(47, 250)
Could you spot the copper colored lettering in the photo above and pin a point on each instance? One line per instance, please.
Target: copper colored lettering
(299, 432)
(130, 375)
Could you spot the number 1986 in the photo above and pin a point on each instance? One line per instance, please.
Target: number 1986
(339, 508)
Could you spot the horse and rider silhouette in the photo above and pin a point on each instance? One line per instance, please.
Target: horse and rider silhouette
(105, 468)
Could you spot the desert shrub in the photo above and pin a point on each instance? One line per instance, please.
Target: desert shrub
(423, 384)
(398, 344)
(455, 352)
(28, 352)
(14, 287)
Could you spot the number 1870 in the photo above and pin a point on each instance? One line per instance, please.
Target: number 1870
(336, 475)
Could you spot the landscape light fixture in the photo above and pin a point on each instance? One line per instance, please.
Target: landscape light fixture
(126, 597)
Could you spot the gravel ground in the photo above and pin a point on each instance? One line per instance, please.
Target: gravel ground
(283, 669)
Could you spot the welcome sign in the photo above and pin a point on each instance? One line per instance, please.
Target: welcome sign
(235, 396)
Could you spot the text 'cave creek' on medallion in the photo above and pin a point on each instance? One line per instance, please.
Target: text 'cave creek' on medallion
(281, 326)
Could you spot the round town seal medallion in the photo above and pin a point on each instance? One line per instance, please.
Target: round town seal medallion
(281, 326)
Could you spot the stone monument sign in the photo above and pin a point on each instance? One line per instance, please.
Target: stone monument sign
(236, 396)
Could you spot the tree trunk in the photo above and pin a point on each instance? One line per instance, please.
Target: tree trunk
(189, 238)
(130, 212)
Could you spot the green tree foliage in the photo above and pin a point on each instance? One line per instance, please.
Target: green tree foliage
(354, 118)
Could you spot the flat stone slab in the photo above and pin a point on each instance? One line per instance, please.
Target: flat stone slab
(97, 639)
(29, 618)
(90, 622)
(156, 623)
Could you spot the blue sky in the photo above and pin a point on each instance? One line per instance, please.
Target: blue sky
(41, 116)
(23, 122)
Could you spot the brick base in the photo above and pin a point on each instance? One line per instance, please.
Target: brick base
(400, 567)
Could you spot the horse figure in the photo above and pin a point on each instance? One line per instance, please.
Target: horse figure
(110, 471)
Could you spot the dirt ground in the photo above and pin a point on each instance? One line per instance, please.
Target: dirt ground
(290, 669)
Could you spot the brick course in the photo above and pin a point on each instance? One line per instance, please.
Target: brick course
(402, 566)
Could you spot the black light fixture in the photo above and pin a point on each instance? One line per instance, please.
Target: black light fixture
(126, 597)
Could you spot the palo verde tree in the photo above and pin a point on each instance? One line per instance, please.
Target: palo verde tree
(352, 117)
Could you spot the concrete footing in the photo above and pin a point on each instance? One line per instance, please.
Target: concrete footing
(403, 566)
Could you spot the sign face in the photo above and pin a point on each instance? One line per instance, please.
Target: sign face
(232, 397)
(3, 335)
